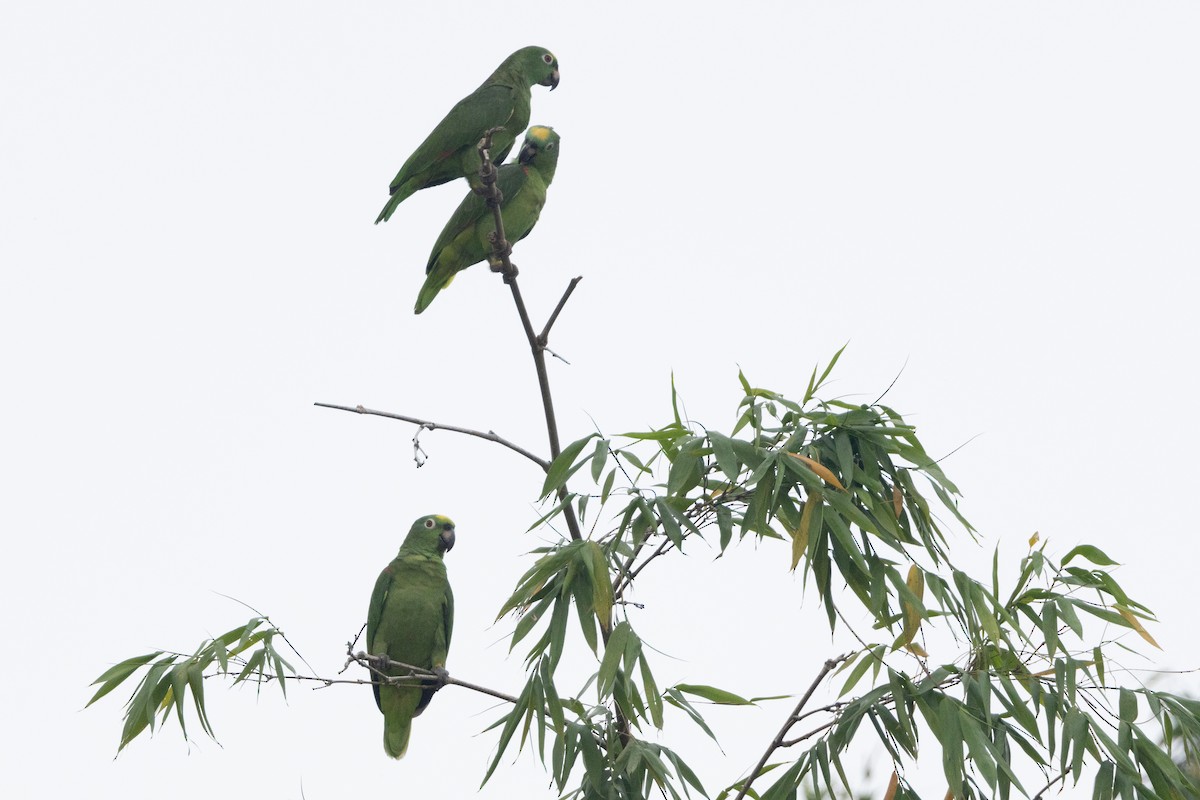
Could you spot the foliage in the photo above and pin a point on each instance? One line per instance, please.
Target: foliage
(1022, 689)
(245, 653)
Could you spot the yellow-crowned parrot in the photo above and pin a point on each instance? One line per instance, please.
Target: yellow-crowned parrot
(466, 239)
(449, 152)
(410, 621)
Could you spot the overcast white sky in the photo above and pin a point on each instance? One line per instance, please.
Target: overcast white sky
(999, 199)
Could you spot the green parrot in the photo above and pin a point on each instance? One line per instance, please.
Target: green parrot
(410, 621)
(466, 238)
(450, 152)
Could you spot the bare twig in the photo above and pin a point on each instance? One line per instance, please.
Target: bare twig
(490, 436)
(545, 334)
(781, 737)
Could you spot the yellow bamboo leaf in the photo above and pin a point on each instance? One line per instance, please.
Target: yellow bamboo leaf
(602, 588)
(893, 784)
(1034, 539)
(800, 535)
(897, 500)
(821, 470)
(1136, 624)
(912, 615)
(916, 650)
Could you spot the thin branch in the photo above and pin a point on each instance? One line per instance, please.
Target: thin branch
(625, 577)
(490, 436)
(544, 336)
(780, 737)
(378, 664)
(1049, 786)
(500, 262)
(809, 735)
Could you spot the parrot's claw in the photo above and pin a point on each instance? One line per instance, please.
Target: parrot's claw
(441, 679)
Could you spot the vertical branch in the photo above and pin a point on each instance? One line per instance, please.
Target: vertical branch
(500, 262)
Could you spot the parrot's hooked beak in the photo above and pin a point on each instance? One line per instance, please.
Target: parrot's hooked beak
(446, 539)
(553, 81)
(527, 153)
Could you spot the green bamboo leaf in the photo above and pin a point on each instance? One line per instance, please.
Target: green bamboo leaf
(116, 674)
(670, 524)
(599, 459)
(676, 698)
(668, 433)
(634, 461)
(614, 650)
(725, 526)
(950, 737)
(178, 693)
(978, 746)
(727, 461)
(844, 450)
(564, 466)
(608, 484)
(1093, 554)
(195, 676)
(860, 669)
(511, 721)
(1128, 706)
(685, 472)
(1103, 785)
(653, 696)
(785, 787)
(713, 694)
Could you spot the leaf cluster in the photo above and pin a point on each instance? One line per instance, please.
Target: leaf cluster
(245, 653)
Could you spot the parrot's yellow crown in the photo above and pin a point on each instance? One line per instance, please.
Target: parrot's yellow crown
(539, 133)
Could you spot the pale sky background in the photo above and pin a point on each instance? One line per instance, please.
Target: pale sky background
(1001, 200)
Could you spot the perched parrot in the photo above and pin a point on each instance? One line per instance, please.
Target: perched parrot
(450, 152)
(410, 621)
(466, 238)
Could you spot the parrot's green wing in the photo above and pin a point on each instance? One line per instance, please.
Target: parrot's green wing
(485, 108)
(448, 628)
(473, 209)
(375, 612)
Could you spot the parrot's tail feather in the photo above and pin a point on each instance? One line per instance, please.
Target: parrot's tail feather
(395, 738)
(429, 290)
(399, 195)
(398, 707)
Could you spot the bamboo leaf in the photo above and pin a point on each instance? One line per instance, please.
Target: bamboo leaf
(800, 535)
(713, 694)
(820, 469)
(613, 652)
(599, 459)
(1136, 624)
(564, 466)
(116, 674)
(1093, 554)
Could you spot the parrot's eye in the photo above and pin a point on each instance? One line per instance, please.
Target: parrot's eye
(549, 59)
(428, 523)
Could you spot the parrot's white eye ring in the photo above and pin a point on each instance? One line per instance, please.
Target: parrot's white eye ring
(428, 523)
(549, 59)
